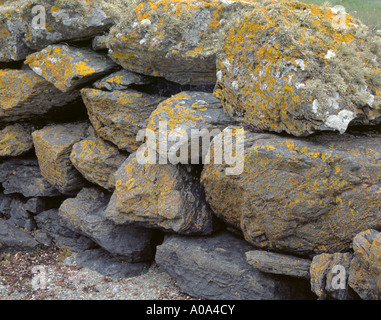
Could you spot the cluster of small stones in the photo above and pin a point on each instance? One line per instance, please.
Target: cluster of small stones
(301, 220)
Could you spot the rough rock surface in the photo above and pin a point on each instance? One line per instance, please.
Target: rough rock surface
(12, 237)
(97, 160)
(325, 268)
(68, 67)
(298, 68)
(23, 176)
(121, 80)
(22, 90)
(186, 122)
(85, 214)
(173, 39)
(168, 197)
(276, 263)
(65, 21)
(16, 140)
(53, 145)
(118, 116)
(13, 48)
(56, 228)
(365, 270)
(303, 196)
(108, 265)
(215, 268)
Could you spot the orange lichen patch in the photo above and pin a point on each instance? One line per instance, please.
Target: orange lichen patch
(299, 195)
(118, 116)
(15, 140)
(65, 66)
(187, 31)
(161, 196)
(288, 62)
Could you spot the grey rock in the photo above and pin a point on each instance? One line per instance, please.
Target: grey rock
(215, 267)
(276, 263)
(12, 237)
(23, 176)
(101, 261)
(85, 214)
(52, 224)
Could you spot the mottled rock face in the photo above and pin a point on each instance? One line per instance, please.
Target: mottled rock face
(53, 145)
(365, 268)
(22, 90)
(13, 48)
(121, 80)
(98, 161)
(173, 39)
(302, 196)
(119, 115)
(329, 275)
(65, 21)
(15, 140)
(185, 123)
(68, 68)
(299, 68)
(159, 196)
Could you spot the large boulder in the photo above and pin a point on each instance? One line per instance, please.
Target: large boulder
(184, 125)
(215, 267)
(168, 197)
(97, 160)
(302, 196)
(15, 140)
(85, 214)
(69, 68)
(22, 90)
(119, 115)
(53, 145)
(365, 269)
(64, 21)
(173, 39)
(288, 66)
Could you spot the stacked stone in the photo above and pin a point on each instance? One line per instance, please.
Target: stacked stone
(294, 217)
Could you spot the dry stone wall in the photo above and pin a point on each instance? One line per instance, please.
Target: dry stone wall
(235, 143)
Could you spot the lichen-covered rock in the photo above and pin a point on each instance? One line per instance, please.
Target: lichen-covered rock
(97, 160)
(302, 196)
(159, 196)
(288, 66)
(277, 263)
(15, 140)
(12, 45)
(215, 268)
(65, 21)
(173, 39)
(187, 121)
(68, 68)
(329, 275)
(118, 116)
(22, 90)
(85, 214)
(365, 269)
(121, 80)
(53, 145)
(23, 176)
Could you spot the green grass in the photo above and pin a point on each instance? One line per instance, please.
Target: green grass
(367, 11)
